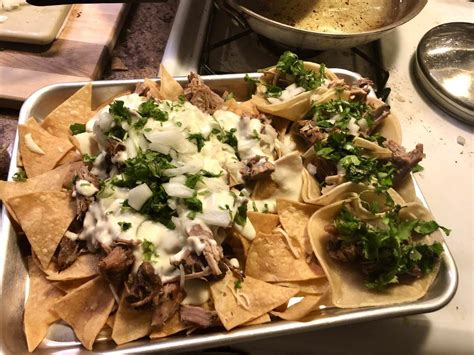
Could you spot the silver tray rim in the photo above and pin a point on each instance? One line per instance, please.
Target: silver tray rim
(429, 303)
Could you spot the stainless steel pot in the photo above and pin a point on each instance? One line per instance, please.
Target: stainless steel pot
(245, 13)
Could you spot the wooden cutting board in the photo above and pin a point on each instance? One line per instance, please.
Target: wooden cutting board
(78, 54)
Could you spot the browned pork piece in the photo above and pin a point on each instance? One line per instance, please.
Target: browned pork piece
(67, 252)
(83, 202)
(167, 303)
(324, 168)
(338, 83)
(212, 252)
(403, 160)
(379, 114)
(116, 265)
(309, 131)
(200, 95)
(143, 287)
(256, 168)
(364, 84)
(113, 146)
(198, 316)
(338, 251)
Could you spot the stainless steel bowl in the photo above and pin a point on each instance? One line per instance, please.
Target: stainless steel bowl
(245, 12)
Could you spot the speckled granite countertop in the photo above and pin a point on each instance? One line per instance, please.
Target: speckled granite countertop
(137, 54)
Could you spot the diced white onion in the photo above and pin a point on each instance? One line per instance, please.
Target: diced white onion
(31, 144)
(219, 218)
(178, 190)
(138, 196)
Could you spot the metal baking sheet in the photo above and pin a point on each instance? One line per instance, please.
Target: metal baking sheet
(14, 249)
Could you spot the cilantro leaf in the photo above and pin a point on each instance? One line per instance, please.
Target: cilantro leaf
(199, 139)
(77, 128)
(149, 109)
(193, 203)
(237, 284)
(86, 158)
(148, 250)
(428, 227)
(20, 176)
(125, 226)
(241, 216)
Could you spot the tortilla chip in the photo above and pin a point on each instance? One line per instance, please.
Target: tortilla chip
(259, 320)
(271, 260)
(239, 244)
(129, 323)
(33, 123)
(312, 287)
(347, 283)
(172, 326)
(38, 315)
(54, 150)
(301, 309)
(262, 298)
(70, 285)
(263, 222)
(72, 156)
(76, 109)
(294, 217)
(44, 217)
(84, 267)
(169, 88)
(49, 181)
(86, 309)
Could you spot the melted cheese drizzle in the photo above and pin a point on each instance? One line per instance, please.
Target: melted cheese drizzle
(105, 218)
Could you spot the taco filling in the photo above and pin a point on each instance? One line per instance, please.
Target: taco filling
(387, 250)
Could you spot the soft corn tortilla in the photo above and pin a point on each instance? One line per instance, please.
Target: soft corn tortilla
(76, 109)
(86, 309)
(130, 323)
(262, 296)
(54, 149)
(44, 217)
(270, 259)
(38, 315)
(347, 282)
(263, 222)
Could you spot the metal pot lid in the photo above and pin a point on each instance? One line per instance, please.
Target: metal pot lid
(445, 68)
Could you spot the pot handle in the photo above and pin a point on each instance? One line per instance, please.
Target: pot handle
(231, 8)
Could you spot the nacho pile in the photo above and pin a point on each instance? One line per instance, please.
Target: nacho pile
(173, 209)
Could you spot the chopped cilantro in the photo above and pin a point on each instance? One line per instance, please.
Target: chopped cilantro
(344, 111)
(125, 226)
(150, 109)
(86, 158)
(77, 128)
(251, 84)
(199, 139)
(290, 64)
(192, 180)
(229, 96)
(417, 168)
(149, 250)
(147, 167)
(241, 215)
(181, 99)
(20, 176)
(237, 284)
(387, 251)
(273, 90)
(179, 124)
(119, 112)
(193, 203)
(227, 137)
(255, 134)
